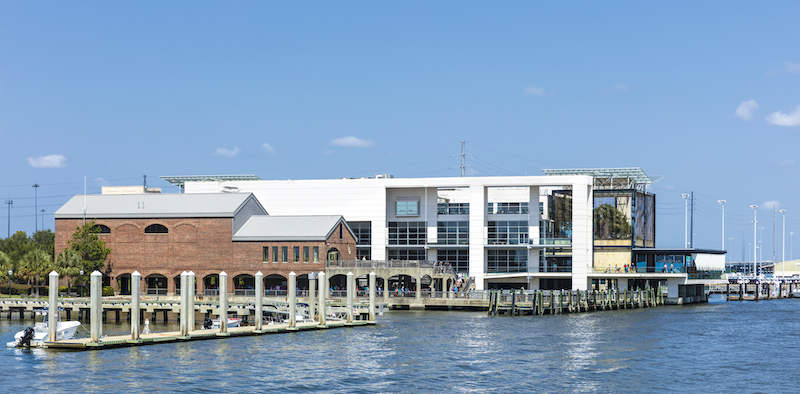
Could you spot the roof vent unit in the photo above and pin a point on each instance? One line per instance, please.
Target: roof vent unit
(230, 189)
(384, 176)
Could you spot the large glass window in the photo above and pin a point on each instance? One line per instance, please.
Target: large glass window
(363, 231)
(457, 258)
(305, 254)
(508, 232)
(407, 254)
(453, 233)
(407, 208)
(265, 253)
(507, 260)
(284, 254)
(507, 208)
(450, 208)
(296, 254)
(407, 233)
(316, 254)
(275, 254)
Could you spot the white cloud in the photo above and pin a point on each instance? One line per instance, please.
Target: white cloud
(745, 110)
(226, 152)
(351, 141)
(534, 90)
(50, 161)
(268, 148)
(787, 162)
(771, 205)
(781, 119)
(620, 87)
(793, 67)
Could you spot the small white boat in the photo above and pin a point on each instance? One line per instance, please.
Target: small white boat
(232, 322)
(37, 335)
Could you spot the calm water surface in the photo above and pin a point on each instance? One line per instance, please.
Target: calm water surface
(716, 347)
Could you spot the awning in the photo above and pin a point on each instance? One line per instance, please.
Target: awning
(709, 262)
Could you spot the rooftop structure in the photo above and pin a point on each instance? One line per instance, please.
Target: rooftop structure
(612, 178)
(180, 181)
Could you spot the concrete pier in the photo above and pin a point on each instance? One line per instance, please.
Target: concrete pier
(223, 302)
(96, 314)
(292, 300)
(52, 311)
(136, 304)
(259, 300)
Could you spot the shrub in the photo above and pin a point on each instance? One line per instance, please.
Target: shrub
(108, 291)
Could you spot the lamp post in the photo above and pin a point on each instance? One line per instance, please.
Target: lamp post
(755, 240)
(783, 241)
(722, 202)
(35, 206)
(42, 219)
(730, 242)
(686, 221)
(81, 283)
(761, 244)
(791, 245)
(9, 203)
(10, 272)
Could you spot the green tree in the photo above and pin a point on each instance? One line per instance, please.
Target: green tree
(34, 265)
(5, 265)
(15, 247)
(89, 246)
(45, 240)
(610, 223)
(69, 265)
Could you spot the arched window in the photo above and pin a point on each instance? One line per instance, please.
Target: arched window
(333, 254)
(104, 229)
(156, 229)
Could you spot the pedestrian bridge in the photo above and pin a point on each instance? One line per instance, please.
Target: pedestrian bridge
(419, 275)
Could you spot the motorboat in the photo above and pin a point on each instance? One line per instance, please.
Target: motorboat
(215, 323)
(37, 335)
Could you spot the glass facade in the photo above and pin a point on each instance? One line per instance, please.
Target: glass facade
(453, 233)
(507, 260)
(407, 208)
(507, 208)
(363, 232)
(458, 259)
(444, 208)
(508, 232)
(407, 254)
(407, 233)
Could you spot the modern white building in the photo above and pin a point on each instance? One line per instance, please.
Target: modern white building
(535, 232)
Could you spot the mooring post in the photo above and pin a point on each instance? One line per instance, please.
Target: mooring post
(223, 302)
(323, 291)
(372, 296)
(259, 300)
(183, 309)
(191, 287)
(96, 310)
(292, 299)
(350, 290)
(312, 295)
(52, 310)
(136, 283)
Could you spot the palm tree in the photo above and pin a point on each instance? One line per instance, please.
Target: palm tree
(5, 265)
(35, 264)
(68, 265)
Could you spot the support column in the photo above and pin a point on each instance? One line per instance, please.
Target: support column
(582, 237)
(418, 295)
(96, 310)
(223, 302)
(477, 231)
(292, 299)
(312, 295)
(52, 312)
(259, 300)
(135, 304)
(372, 296)
(184, 310)
(191, 287)
(323, 291)
(350, 297)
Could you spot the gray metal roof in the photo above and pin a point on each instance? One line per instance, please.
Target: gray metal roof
(155, 205)
(288, 228)
(181, 180)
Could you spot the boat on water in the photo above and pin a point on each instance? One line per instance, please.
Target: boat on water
(37, 335)
(210, 324)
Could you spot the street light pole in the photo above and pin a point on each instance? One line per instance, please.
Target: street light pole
(10, 272)
(722, 202)
(35, 206)
(686, 221)
(761, 244)
(755, 240)
(783, 242)
(9, 202)
(730, 242)
(42, 219)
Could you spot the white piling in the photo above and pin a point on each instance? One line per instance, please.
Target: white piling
(323, 291)
(136, 284)
(223, 302)
(372, 296)
(350, 290)
(312, 295)
(96, 309)
(190, 290)
(184, 302)
(292, 299)
(52, 311)
(259, 300)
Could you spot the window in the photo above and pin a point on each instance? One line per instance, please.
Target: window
(265, 253)
(156, 229)
(103, 229)
(457, 258)
(407, 254)
(305, 254)
(508, 208)
(407, 208)
(284, 254)
(275, 254)
(296, 254)
(453, 233)
(407, 233)
(444, 208)
(507, 260)
(316, 254)
(514, 232)
(363, 232)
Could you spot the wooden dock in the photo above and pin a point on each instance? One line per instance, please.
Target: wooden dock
(117, 341)
(551, 302)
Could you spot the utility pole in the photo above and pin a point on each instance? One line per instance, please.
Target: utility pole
(35, 206)
(42, 219)
(773, 234)
(9, 202)
(691, 240)
(463, 158)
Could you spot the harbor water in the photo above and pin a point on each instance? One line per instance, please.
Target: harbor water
(716, 347)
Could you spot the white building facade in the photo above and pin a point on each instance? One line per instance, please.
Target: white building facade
(486, 227)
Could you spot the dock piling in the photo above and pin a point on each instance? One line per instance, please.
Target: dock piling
(350, 285)
(312, 295)
(190, 290)
(136, 280)
(96, 314)
(372, 296)
(292, 300)
(223, 302)
(323, 291)
(52, 313)
(259, 299)
(184, 293)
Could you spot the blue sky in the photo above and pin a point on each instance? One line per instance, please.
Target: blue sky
(706, 94)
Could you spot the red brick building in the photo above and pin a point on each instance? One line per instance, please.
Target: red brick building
(163, 235)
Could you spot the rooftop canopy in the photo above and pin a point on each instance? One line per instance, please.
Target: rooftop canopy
(181, 180)
(611, 178)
